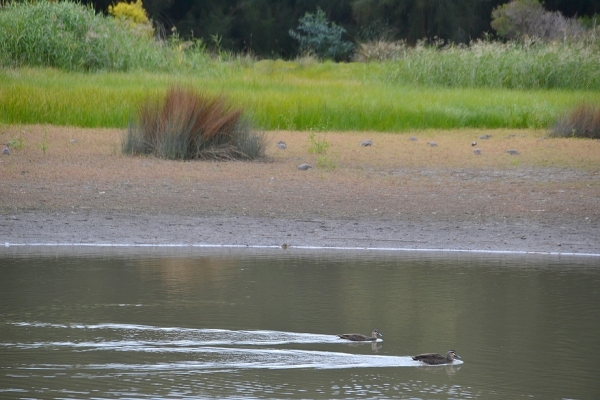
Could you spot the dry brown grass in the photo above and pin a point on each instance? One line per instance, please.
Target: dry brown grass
(192, 125)
(583, 122)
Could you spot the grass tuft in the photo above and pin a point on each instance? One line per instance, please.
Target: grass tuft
(190, 125)
(582, 122)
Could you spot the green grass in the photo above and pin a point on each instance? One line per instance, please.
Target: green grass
(281, 95)
(512, 65)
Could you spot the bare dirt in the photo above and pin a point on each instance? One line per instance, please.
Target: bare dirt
(70, 185)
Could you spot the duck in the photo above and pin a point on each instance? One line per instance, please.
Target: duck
(437, 359)
(357, 337)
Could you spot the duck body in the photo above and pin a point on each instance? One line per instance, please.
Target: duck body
(357, 337)
(437, 359)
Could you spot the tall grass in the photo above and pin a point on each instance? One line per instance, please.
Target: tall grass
(285, 95)
(70, 36)
(583, 122)
(189, 125)
(512, 65)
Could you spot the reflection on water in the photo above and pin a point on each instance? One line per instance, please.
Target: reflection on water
(246, 324)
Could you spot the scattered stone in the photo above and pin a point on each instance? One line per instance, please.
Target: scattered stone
(6, 151)
(432, 144)
(512, 135)
(513, 152)
(72, 141)
(485, 137)
(366, 143)
(473, 143)
(412, 139)
(281, 144)
(477, 152)
(304, 167)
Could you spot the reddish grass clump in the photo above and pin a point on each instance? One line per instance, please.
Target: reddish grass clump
(583, 121)
(189, 125)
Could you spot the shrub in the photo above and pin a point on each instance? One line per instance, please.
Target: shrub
(322, 38)
(189, 125)
(133, 12)
(583, 122)
(73, 37)
(528, 18)
(134, 15)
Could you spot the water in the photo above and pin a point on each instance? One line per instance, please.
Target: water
(194, 323)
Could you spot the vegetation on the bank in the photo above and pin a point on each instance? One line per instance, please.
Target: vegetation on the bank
(523, 83)
(72, 37)
(583, 122)
(190, 125)
(283, 95)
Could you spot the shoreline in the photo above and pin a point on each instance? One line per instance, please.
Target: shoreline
(101, 229)
(396, 194)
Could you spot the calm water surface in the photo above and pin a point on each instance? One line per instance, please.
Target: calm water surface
(193, 323)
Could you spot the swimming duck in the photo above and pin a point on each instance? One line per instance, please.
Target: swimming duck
(437, 359)
(357, 337)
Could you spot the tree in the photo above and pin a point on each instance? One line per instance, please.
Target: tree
(528, 18)
(323, 38)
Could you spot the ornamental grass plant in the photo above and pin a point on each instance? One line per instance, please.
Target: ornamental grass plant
(190, 125)
(582, 122)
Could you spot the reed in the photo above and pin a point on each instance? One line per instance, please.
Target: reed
(513, 65)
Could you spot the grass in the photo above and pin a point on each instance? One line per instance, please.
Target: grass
(512, 65)
(191, 125)
(114, 68)
(282, 95)
(583, 122)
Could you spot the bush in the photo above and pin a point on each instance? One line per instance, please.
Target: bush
(317, 36)
(70, 36)
(583, 122)
(189, 125)
(528, 18)
(132, 12)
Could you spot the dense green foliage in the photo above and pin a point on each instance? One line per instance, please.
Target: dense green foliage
(487, 84)
(69, 36)
(318, 36)
(516, 65)
(261, 27)
(283, 95)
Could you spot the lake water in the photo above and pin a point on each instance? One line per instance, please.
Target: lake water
(204, 323)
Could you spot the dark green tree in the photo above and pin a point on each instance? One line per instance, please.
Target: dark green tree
(317, 35)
